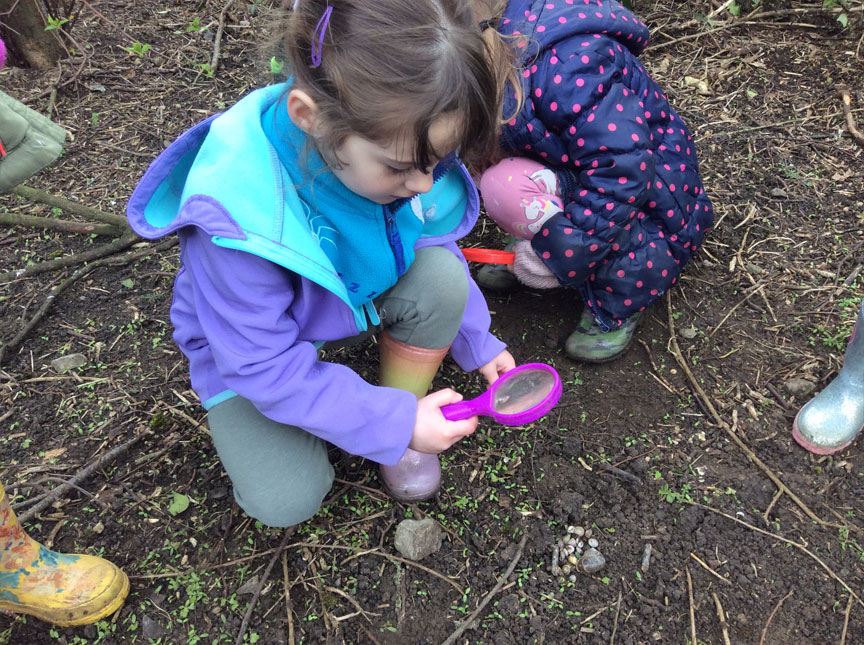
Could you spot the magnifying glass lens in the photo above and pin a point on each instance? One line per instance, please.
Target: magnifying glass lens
(523, 391)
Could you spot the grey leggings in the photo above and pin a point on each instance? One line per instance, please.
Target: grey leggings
(281, 473)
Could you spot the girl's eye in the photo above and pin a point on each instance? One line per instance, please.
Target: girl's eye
(400, 171)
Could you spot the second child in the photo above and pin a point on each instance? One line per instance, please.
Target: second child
(597, 176)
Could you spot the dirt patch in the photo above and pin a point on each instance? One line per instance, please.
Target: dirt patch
(771, 296)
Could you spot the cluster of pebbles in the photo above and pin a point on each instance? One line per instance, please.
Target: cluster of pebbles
(576, 552)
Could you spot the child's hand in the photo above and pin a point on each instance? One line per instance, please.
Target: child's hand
(504, 362)
(529, 268)
(432, 432)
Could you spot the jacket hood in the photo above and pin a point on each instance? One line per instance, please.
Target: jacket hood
(561, 20)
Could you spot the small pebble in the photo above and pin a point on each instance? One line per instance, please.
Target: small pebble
(593, 543)
(566, 569)
(571, 542)
(556, 571)
(555, 557)
(570, 549)
(571, 529)
(560, 544)
(580, 544)
(573, 578)
(592, 561)
(588, 533)
(572, 559)
(578, 531)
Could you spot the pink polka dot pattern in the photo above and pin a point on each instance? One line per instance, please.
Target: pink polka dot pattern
(635, 210)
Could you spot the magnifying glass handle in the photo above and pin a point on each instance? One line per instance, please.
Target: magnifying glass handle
(459, 411)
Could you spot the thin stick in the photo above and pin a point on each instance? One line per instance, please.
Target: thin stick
(79, 476)
(35, 195)
(288, 608)
(217, 41)
(615, 625)
(710, 570)
(692, 609)
(782, 539)
(52, 224)
(845, 97)
(623, 474)
(239, 640)
(722, 616)
(767, 513)
(771, 617)
(357, 553)
(468, 621)
(52, 265)
(676, 351)
(846, 621)
(56, 291)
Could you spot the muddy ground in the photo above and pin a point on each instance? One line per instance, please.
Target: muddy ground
(697, 413)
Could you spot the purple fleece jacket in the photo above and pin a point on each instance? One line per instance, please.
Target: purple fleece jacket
(248, 325)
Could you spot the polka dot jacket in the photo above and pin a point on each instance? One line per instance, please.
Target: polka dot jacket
(635, 209)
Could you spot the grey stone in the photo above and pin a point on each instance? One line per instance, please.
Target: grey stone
(416, 539)
(151, 629)
(799, 386)
(68, 362)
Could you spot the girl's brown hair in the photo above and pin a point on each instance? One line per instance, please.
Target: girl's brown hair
(389, 68)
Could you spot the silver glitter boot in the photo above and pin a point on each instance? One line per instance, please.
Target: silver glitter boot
(833, 418)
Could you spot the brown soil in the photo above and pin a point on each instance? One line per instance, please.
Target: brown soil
(771, 297)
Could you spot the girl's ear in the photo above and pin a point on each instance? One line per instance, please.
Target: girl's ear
(303, 110)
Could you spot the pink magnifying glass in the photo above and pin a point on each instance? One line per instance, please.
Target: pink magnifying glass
(520, 396)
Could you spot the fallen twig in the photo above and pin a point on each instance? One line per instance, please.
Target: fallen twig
(700, 393)
(217, 41)
(615, 624)
(771, 617)
(358, 552)
(88, 256)
(623, 474)
(846, 99)
(709, 569)
(722, 616)
(468, 621)
(846, 621)
(80, 273)
(243, 625)
(782, 539)
(692, 608)
(289, 609)
(36, 195)
(79, 476)
(65, 226)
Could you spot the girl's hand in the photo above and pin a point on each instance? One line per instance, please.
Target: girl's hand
(504, 362)
(432, 432)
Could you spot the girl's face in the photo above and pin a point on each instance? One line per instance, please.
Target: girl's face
(383, 174)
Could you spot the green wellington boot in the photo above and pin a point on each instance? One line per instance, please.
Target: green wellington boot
(417, 476)
(54, 587)
(592, 345)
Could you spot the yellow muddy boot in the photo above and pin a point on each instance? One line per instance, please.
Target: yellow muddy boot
(55, 587)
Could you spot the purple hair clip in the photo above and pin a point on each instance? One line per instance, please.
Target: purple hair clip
(318, 37)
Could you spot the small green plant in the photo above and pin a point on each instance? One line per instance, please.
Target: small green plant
(208, 71)
(55, 23)
(276, 66)
(195, 26)
(138, 49)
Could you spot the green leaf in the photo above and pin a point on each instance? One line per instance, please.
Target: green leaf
(843, 19)
(276, 65)
(735, 9)
(751, 94)
(128, 283)
(179, 503)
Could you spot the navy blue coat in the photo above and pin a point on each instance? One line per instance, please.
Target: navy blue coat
(635, 209)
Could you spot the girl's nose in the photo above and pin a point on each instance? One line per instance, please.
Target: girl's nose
(419, 181)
